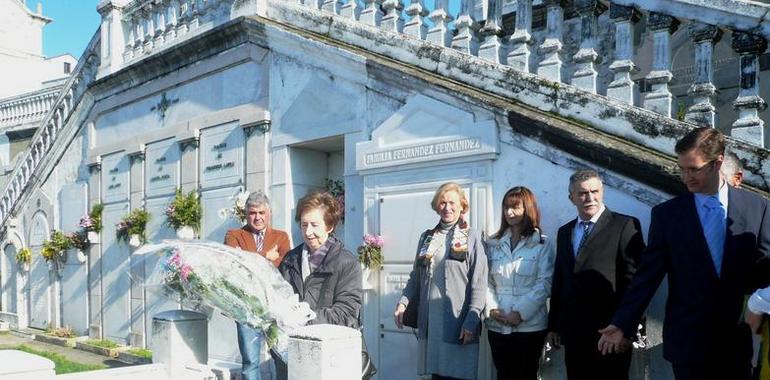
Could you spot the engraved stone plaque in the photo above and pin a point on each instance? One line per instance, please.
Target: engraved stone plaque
(221, 155)
(162, 168)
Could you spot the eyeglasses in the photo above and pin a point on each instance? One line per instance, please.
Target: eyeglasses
(694, 171)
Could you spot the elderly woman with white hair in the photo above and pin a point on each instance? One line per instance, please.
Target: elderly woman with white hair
(256, 236)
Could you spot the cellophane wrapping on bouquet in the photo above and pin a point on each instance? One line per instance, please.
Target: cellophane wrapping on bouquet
(242, 285)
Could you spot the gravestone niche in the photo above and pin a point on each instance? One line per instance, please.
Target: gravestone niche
(162, 168)
(39, 276)
(221, 154)
(9, 278)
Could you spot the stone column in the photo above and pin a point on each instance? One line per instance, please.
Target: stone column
(659, 99)
(703, 112)
(136, 199)
(465, 40)
(585, 75)
(188, 147)
(749, 104)
(331, 6)
(439, 33)
(491, 47)
(350, 10)
(325, 352)
(257, 154)
(622, 87)
(415, 26)
(518, 56)
(95, 256)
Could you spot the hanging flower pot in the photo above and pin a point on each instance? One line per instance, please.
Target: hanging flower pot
(185, 232)
(365, 274)
(93, 237)
(135, 240)
(25, 267)
(81, 256)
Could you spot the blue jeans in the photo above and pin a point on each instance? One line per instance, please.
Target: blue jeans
(250, 344)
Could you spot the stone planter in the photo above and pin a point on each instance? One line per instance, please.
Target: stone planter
(93, 237)
(24, 267)
(59, 341)
(109, 352)
(130, 358)
(185, 232)
(135, 241)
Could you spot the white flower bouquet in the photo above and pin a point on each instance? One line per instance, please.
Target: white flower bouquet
(241, 285)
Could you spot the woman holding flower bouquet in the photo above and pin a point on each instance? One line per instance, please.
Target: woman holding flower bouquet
(521, 263)
(449, 281)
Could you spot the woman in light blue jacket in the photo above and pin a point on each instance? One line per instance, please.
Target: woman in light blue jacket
(521, 263)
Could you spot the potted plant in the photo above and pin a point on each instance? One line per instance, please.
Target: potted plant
(131, 228)
(54, 248)
(24, 258)
(337, 189)
(92, 223)
(184, 214)
(79, 241)
(370, 257)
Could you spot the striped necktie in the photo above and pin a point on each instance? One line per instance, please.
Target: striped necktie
(260, 241)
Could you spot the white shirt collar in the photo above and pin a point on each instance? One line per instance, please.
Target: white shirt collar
(593, 218)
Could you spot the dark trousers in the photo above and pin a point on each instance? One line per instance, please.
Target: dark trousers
(517, 355)
(731, 360)
(585, 362)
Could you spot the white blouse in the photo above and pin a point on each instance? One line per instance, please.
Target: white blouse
(760, 301)
(520, 279)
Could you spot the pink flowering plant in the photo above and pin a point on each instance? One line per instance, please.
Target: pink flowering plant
(180, 277)
(93, 220)
(79, 240)
(370, 252)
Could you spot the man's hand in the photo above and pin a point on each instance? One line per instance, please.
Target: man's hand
(754, 320)
(465, 336)
(611, 340)
(553, 339)
(272, 254)
(513, 318)
(398, 315)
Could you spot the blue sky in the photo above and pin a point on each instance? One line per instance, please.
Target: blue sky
(74, 22)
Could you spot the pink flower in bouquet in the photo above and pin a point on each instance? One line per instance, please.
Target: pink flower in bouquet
(185, 271)
(170, 210)
(175, 261)
(86, 223)
(374, 240)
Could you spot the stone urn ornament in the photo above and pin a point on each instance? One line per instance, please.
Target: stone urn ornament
(366, 273)
(81, 256)
(185, 232)
(93, 237)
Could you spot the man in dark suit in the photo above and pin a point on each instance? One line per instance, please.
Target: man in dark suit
(596, 255)
(712, 242)
(256, 236)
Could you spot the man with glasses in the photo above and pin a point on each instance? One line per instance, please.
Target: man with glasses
(711, 242)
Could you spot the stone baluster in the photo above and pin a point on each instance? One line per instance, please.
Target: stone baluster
(518, 56)
(439, 33)
(465, 39)
(659, 99)
(160, 24)
(585, 75)
(172, 12)
(622, 86)
(392, 20)
(490, 47)
(138, 42)
(371, 15)
(415, 26)
(195, 13)
(749, 104)
(702, 111)
(331, 6)
(351, 10)
(129, 30)
(184, 17)
(149, 31)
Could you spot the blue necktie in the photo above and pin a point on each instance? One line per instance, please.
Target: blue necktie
(714, 230)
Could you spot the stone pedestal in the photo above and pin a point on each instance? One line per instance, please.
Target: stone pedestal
(325, 352)
(19, 365)
(180, 342)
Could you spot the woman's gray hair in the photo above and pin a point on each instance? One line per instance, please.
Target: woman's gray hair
(256, 199)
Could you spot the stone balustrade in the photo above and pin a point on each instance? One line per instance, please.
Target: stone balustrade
(594, 45)
(50, 126)
(27, 108)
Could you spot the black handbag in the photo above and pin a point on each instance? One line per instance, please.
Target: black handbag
(409, 318)
(368, 369)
